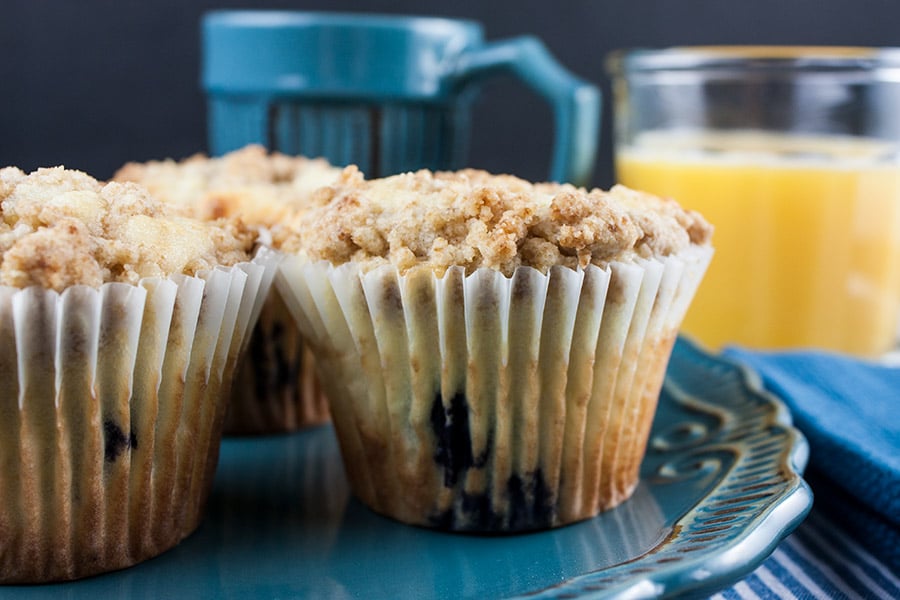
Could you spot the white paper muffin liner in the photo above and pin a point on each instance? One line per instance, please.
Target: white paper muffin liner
(275, 388)
(111, 407)
(492, 403)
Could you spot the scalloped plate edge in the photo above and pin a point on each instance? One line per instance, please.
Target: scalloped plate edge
(710, 572)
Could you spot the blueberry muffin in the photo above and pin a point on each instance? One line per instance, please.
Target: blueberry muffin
(493, 349)
(121, 321)
(276, 388)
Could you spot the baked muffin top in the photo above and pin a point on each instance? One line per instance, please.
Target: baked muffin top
(61, 227)
(262, 188)
(474, 219)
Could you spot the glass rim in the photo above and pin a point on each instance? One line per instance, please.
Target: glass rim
(762, 58)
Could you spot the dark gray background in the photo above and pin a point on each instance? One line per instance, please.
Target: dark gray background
(93, 83)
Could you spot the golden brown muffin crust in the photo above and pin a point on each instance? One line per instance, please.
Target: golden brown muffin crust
(62, 227)
(474, 219)
(262, 188)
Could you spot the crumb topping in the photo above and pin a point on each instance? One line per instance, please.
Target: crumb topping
(60, 227)
(474, 219)
(262, 188)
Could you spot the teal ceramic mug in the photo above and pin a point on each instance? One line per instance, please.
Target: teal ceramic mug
(387, 93)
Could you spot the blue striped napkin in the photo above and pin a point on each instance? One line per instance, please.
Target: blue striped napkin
(849, 411)
(818, 560)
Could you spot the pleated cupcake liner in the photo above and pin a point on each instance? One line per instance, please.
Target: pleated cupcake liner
(489, 403)
(276, 388)
(112, 405)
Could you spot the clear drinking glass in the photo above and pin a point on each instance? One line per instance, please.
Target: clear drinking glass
(793, 154)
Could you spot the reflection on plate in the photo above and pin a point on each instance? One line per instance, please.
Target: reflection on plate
(720, 487)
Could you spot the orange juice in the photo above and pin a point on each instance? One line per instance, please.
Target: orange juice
(807, 235)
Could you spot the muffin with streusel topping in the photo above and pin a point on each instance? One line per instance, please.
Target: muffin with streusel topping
(120, 323)
(275, 388)
(493, 349)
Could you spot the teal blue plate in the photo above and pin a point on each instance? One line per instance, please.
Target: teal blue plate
(720, 487)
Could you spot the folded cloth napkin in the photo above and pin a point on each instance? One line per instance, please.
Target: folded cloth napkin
(849, 411)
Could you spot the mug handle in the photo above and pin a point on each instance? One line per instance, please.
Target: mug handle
(575, 103)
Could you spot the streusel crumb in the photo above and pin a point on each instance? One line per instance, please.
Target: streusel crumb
(62, 227)
(474, 219)
(262, 188)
